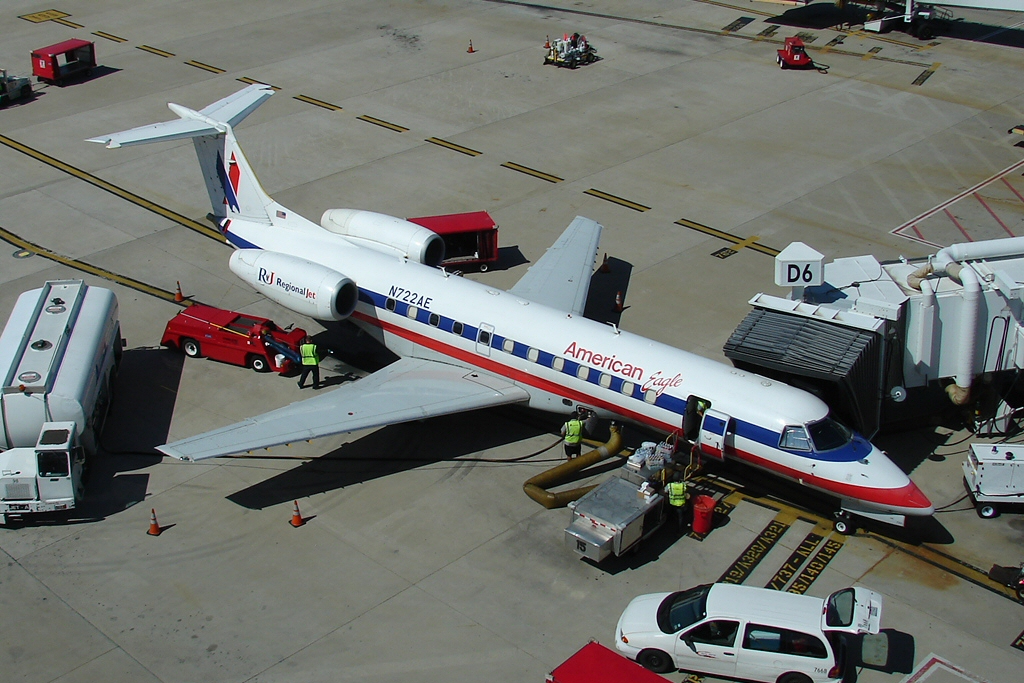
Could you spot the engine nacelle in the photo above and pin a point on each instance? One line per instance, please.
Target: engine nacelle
(303, 286)
(386, 234)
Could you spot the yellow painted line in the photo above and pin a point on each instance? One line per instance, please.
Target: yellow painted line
(749, 242)
(45, 15)
(926, 74)
(253, 81)
(318, 103)
(745, 564)
(65, 22)
(817, 565)
(796, 560)
(137, 285)
(113, 189)
(616, 200)
(953, 565)
(532, 171)
(452, 146)
(871, 53)
(110, 36)
(155, 51)
(205, 67)
(383, 124)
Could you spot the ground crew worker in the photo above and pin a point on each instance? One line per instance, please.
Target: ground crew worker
(573, 431)
(677, 499)
(310, 362)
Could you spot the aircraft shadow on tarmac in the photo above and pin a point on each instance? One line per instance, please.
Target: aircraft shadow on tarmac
(603, 288)
(438, 441)
(824, 15)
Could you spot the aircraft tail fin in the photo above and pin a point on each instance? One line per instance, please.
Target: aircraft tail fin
(234, 190)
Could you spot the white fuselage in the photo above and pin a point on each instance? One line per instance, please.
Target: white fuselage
(564, 360)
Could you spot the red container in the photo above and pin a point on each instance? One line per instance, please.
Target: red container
(470, 239)
(703, 514)
(58, 63)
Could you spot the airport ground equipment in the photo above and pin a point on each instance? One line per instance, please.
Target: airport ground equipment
(1011, 577)
(570, 51)
(236, 338)
(923, 19)
(58, 357)
(594, 663)
(46, 477)
(994, 474)
(793, 55)
(616, 516)
(470, 239)
(13, 88)
(880, 342)
(57, 64)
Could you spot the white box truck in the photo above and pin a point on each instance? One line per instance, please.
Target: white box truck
(58, 356)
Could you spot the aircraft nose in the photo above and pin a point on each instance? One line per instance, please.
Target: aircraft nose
(914, 499)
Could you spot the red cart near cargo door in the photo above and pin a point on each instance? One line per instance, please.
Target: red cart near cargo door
(470, 239)
(594, 663)
(58, 63)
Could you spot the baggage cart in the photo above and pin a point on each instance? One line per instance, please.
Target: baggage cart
(470, 239)
(61, 62)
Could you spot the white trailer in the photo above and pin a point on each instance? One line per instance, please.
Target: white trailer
(58, 356)
(994, 474)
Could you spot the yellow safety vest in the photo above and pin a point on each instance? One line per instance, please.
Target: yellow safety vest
(676, 493)
(573, 428)
(309, 356)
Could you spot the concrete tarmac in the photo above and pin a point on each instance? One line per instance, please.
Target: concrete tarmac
(421, 557)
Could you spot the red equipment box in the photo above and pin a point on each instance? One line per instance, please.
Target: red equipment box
(469, 238)
(203, 331)
(594, 663)
(58, 63)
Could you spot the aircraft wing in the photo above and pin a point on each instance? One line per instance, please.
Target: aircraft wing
(408, 389)
(561, 277)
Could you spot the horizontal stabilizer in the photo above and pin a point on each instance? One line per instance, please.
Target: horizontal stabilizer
(212, 120)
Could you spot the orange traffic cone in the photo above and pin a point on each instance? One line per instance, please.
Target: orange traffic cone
(178, 295)
(154, 526)
(547, 42)
(605, 268)
(471, 50)
(297, 519)
(618, 302)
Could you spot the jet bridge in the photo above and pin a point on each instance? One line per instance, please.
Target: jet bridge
(887, 342)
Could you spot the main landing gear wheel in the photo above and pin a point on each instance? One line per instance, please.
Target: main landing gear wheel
(844, 524)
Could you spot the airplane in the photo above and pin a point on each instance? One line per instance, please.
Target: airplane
(465, 345)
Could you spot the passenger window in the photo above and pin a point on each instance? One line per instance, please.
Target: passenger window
(457, 328)
(715, 633)
(390, 304)
(783, 641)
(583, 372)
(532, 355)
(508, 346)
(627, 388)
(434, 320)
(557, 363)
(795, 438)
(651, 395)
(605, 380)
(411, 312)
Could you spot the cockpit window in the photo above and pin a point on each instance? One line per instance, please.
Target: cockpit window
(795, 439)
(828, 435)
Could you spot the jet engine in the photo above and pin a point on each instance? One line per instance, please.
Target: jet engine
(386, 234)
(303, 286)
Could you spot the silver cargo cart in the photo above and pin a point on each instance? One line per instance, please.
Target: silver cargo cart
(615, 517)
(994, 474)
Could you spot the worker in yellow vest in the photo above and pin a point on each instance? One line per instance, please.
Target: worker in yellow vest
(677, 499)
(310, 362)
(573, 432)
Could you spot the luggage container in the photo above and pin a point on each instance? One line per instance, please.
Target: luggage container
(59, 63)
(994, 474)
(470, 239)
(616, 516)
